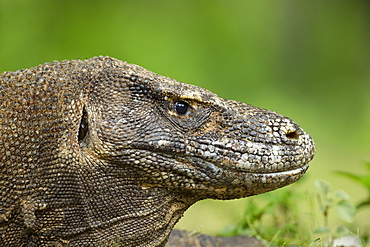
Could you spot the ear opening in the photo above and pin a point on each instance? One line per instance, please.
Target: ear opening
(84, 127)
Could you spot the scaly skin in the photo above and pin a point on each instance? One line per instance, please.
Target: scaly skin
(102, 152)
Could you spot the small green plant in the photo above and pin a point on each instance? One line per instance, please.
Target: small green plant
(276, 219)
(340, 202)
(273, 218)
(363, 180)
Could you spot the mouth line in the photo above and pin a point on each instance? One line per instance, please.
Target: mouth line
(227, 165)
(264, 174)
(262, 170)
(290, 172)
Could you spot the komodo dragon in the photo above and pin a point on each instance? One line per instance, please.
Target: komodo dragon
(101, 152)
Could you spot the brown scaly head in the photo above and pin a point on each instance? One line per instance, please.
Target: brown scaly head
(111, 153)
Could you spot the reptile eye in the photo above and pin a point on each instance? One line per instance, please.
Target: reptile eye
(181, 108)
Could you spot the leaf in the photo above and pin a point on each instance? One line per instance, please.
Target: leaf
(363, 203)
(322, 187)
(322, 230)
(316, 242)
(342, 231)
(341, 195)
(361, 179)
(349, 175)
(345, 210)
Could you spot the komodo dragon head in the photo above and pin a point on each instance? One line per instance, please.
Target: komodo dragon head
(102, 152)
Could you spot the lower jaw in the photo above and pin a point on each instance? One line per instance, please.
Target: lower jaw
(256, 183)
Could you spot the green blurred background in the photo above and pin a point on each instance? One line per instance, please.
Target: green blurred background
(309, 60)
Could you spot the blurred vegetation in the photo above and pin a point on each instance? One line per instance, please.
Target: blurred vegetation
(309, 60)
(276, 219)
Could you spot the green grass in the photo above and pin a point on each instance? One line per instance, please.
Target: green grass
(277, 219)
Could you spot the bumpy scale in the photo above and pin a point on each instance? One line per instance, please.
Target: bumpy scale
(101, 152)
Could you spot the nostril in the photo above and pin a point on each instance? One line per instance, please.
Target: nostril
(292, 135)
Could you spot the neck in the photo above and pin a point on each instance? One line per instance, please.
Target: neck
(119, 210)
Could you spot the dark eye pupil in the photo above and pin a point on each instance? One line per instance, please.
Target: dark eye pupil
(181, 107)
